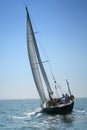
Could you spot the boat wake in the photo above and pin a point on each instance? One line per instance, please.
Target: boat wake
(38, 120)
(27, 115)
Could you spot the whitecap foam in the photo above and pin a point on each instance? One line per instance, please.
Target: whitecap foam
(17, 117)
(29, 113)
(79, 110)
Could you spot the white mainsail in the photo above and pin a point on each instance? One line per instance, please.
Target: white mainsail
(33, 59)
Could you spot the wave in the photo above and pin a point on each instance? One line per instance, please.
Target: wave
(79, 111)
(27, 115)
(30, 113)
(17, 117)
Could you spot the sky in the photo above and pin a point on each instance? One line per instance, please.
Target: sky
(61, 38)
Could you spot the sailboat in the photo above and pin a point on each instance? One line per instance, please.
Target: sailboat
(50, 105)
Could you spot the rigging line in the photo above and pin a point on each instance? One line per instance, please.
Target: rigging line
(51, 72)
(41, 46)
(47, 61)
(56, 84)
(50, 68)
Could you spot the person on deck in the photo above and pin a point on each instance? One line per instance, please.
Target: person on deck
(63, 99)
(67, 99)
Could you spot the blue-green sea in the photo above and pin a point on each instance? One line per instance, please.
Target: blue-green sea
(26, 115)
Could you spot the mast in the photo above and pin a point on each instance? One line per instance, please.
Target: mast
(68, 87)
(33, 58)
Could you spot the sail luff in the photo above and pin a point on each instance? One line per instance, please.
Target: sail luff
(33, 59)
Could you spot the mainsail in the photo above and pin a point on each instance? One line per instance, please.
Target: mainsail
(34, 58)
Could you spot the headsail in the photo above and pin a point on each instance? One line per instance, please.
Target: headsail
(33, 58)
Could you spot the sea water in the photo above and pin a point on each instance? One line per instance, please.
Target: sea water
(27, 115)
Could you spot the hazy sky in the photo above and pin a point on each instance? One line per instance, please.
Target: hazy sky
(62, 36)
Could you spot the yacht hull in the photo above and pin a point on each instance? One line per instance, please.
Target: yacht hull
(61, 109)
